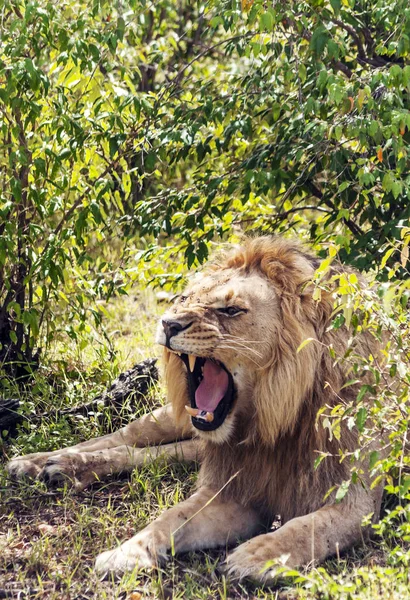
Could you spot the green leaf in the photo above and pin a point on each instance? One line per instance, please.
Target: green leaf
(215, 21)
(113, 145)
(266, 21)
(386, 257)
(15, 185)
(342, 491)
(373, 458)
(361, 418)
(396, 188)
(335, 4)
(150, 160)
(333, 49)
(404, 485)
(373, 128)
(363, 391)
(319, 39)
(388, 181)
(338, 321)
(120, 28)
(343, 186)
(305, 343)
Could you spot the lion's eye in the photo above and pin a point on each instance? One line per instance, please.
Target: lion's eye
(231, 311)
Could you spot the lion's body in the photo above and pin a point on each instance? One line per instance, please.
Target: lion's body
(260, 461)
(280, 477)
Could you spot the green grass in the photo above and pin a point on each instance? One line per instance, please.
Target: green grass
(49, 539)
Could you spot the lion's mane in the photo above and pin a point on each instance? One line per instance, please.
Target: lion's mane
(269, 460)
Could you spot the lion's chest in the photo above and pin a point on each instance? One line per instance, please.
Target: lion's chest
(276, 481)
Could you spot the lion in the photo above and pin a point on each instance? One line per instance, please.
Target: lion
(244, 393)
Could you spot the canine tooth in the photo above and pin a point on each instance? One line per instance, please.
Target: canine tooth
(191, 411)
(191, 360)
(209, 417)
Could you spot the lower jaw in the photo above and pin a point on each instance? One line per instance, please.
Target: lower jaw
(220, 435)
(215, 424)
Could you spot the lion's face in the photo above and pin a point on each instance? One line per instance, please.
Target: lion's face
(219, 328)
(231, 342)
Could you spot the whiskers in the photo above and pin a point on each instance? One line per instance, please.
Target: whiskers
(242, 347)
(240, 339)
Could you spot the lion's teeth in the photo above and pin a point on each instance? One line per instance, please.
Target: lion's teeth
(191, 360)
(200, 414)
(191, 411)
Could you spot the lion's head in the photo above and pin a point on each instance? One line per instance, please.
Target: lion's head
(231, 341)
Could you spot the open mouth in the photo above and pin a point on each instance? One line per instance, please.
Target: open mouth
(211, 391)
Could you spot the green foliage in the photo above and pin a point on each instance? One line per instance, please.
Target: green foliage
(76, 113)
(379, 412)
(295, 116)
(190, 121)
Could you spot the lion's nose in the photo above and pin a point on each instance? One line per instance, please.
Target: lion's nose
(171, 328)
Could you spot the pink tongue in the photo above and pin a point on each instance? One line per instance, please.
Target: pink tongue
(212, 388)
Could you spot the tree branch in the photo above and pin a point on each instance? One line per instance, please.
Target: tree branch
(337, 64)
(362, 56)
(354, 228)
(353, 34)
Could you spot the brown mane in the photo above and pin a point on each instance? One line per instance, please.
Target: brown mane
(272, 452)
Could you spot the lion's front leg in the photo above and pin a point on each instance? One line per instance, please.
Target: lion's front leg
(84, 468)
(158, 427)
(202, 521)
(301, 541)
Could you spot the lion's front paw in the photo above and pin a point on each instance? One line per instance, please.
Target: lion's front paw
(144, 551)
(254, 558)
(68, 468)
(24, 466)
(121, 560)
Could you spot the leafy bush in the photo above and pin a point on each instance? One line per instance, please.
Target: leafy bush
(380, 413)
(302, 122)
(190, 121)
(75, 140)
